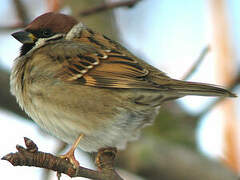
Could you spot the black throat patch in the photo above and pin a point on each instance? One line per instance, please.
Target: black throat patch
(25, 48)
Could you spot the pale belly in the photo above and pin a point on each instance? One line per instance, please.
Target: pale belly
(124, 127)
(102, 124)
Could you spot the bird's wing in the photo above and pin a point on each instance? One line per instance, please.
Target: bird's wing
(90, 66)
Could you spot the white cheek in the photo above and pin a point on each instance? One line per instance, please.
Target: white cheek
(75, 31)
(40, 42)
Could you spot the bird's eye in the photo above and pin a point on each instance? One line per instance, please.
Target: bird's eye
(47, 33)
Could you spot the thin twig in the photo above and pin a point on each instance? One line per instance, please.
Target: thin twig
(197, 62)
(30, 156)
(23, 18)
(193, 69)
(107, 6)
(12, 27)
(21, 12)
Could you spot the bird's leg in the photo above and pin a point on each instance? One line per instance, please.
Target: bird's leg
(105, 158)
(70, 154)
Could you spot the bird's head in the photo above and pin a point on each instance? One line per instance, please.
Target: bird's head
(45, 26)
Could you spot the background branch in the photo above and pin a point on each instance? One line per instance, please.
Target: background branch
(8, 101)
(197, 63)
(108, 6)
(21, 12)
(22, 16)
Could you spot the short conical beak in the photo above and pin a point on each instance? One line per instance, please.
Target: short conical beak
(24, 37)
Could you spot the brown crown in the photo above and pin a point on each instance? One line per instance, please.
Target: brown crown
(58, 23)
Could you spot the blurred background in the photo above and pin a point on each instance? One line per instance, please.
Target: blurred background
(192, 138)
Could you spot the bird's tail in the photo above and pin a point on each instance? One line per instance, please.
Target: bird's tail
(183, 88)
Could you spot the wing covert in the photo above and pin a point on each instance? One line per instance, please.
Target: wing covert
(87, 65)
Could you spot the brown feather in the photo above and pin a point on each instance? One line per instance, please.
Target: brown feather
(93, 59)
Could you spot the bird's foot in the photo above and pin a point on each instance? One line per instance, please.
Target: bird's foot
(71, 158)
(70, 154)
(105, 157)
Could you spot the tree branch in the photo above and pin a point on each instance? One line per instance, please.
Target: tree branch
(108, 6)
(30, 156)
(21, 11)
(22, 16)
(8, 101)
(197, 62)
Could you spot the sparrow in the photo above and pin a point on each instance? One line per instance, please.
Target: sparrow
(88, 90)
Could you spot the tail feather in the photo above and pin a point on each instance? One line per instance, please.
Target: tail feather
(200, 89)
